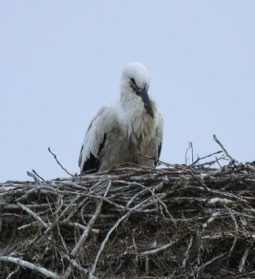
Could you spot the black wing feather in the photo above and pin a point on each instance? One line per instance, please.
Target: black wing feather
(159, 151)
(93, 163)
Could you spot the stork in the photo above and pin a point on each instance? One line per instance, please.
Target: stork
(130, 131)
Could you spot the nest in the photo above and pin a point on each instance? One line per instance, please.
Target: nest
(179, 221)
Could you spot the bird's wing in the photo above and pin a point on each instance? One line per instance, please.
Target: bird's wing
(159, 132)
(95, 138)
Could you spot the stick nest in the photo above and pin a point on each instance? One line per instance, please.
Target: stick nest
(178, 221)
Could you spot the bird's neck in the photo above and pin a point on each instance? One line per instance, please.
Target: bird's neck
(138, 123)
(131, 104)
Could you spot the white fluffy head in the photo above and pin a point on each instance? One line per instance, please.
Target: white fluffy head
(135, 82)
(135, 71)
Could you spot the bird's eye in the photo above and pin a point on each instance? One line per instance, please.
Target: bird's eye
(133, 84)
(132, 80)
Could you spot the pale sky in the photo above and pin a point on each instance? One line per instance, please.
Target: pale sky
(60, 61)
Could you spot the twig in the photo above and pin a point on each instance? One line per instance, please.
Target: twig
(43, 271)
(36, 173)
(212, 218)
(159, 249)
(34, 176)
(190, 147)
(236, 233)
(13, 272)
(243, 259)
(77, 225)
(71, 204)
(186, 254)
(217, 201)
(33, 214)
(205, 157)
(76, 265)
(154, 159)
(224, 149)
(55, 157)
(211, 261)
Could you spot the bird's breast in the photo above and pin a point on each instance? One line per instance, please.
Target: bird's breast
(142, 128)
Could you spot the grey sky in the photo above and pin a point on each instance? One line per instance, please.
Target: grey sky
(60, 61)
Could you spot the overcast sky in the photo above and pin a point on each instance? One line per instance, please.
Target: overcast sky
(60, 61)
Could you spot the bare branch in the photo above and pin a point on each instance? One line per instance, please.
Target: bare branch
(55, 157)
(36, 173)
(211, 261)
(186, 255)
(224, 149)
(243, 259)
(159, 249)
(34, 176)
(43, 271)
(34, 215)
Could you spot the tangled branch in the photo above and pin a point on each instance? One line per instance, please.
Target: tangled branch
(187, 220)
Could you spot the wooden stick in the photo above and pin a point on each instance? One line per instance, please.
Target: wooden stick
(55, 157)
(43, 271)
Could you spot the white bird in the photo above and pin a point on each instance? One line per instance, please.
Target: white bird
(129, 132)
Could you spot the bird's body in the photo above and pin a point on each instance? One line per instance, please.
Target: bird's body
(129, 132)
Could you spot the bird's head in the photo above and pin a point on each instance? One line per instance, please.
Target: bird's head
(135, 82)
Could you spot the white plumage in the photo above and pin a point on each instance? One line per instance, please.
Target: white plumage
(129, 132)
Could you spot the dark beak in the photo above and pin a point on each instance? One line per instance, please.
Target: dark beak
(147, 103)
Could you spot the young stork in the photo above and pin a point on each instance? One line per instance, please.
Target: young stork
(129, 132)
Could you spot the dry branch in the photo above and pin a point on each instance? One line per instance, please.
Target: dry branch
(22, 263)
